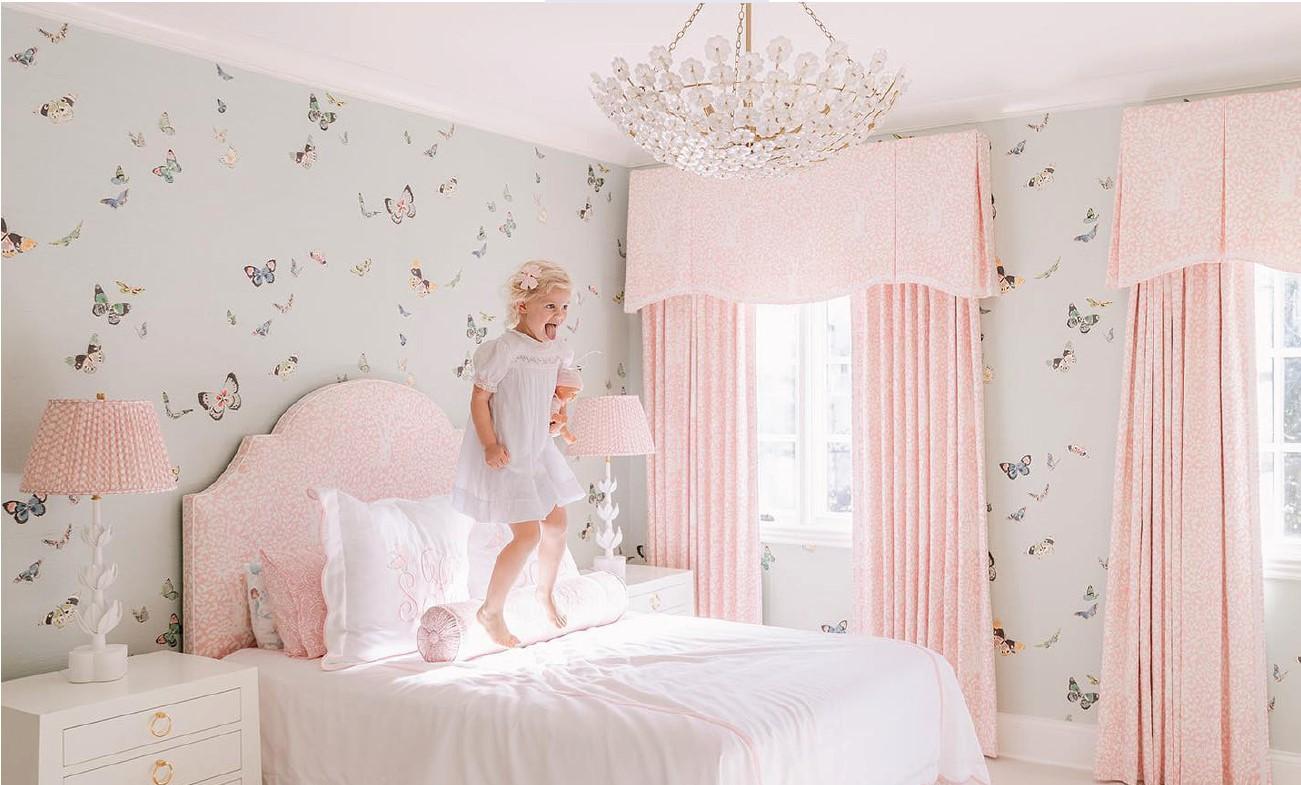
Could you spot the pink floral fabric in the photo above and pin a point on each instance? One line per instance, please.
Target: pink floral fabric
(85, 446)
(1208, 181)
(294, 579)
(919, 525)
(702, 502)
(915, 210)
(1183, 670)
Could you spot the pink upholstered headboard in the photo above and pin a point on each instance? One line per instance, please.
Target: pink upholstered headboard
(371, 438)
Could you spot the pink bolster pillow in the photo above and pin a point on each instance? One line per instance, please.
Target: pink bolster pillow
(452, 633)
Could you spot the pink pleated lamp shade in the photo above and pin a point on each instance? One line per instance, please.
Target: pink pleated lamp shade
(96, 447)
(609, 425)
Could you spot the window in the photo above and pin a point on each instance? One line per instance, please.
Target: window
(1278, 404)
(804, 421)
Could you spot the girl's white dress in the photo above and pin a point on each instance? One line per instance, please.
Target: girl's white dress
(520, 371)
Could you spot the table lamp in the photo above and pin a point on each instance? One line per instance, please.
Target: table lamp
(97, 447)
(609, 425)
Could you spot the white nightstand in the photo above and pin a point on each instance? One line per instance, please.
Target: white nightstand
(661, 590)
(174, 719)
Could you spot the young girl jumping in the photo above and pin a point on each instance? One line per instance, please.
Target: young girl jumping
(510, 470)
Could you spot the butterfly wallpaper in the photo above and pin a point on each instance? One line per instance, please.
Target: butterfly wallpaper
(169, 237)
(1053, 346)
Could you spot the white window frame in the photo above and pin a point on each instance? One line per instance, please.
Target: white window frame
(1281, 555)
(810, 523)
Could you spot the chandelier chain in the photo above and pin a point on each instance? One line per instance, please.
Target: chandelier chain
(740, 30)
(683, 31)
(817, 22)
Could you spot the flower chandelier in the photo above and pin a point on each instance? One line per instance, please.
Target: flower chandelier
(748, 117)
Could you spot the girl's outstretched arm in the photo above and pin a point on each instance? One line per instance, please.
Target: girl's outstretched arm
(494, 453)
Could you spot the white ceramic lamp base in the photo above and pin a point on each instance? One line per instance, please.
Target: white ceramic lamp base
(86, 665)
(615, 565)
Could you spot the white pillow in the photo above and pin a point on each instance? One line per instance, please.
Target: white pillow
(486, 541)
(386, 562)
(259, 608)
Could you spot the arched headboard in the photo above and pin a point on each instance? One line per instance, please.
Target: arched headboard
(370, 438)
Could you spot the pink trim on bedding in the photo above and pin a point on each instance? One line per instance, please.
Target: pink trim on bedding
(370, 438)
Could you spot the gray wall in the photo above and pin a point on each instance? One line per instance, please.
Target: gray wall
(187, 242)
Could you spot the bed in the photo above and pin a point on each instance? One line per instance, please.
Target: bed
(648, 699)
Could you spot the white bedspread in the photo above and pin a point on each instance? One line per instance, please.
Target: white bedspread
(649, 700)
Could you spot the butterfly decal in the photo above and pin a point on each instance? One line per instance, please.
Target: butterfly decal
(22, 511)
(1090, 216)
(1098, 303)
(171, 638)
(286, 367)
(221, 106)
(116, 201)
(541, 209)
(473, 331)
(287, 307)
(262, 329)
(537, 178)
(618, 245)
(119, 177)
(229, 158)
(58, 35)
(1075, 695)
(58, 110)
(258, 276)
(24, 58)
(67, 239)
(339, 102)
(137, 139)
(114, 311)
(1089, 594)
(167, 407)
(315, 115)
(1087, 236)
(1042, 179)
(216, 404)
(1039, 126)
(224, 76)
(418, 281)
(1039, 496)
(168, 591)
(344, 137)
(1017, 516)
(492, 207)
(593, 180)
(1074, 319)
(1003, 644)
(585, 212)
(317, 255)
(487, 317)
(30, 574)
(364, 212)
(1088, 613)
(1052, 462)
(432, 150)
(13, 242)
(62, 541)
(993, 571)
(1107, 183)
(1018, 148)
(402, 340)
(169, 168)
(1048, 644)
(63, 613)
(456, 279)
(1077, 450)
(141, 615)
(403, 311)
(230, 317)
(1042, 548)
(466, 369)
(362, 365)
(1014, 470)
(987, 374)
(88, 362)
(483, 249)
(835, 629)
(448, 188)
(165, 125)
(305, 157)
(1048, 273)
(362, 267)
(143, 330)
(1066, 361)
(1279, 674)
(508, 228)
(586, 533)
(767, 559)
(128, 289)
(402, 207)
(1006, 283)
(593, 495)
(448, 133)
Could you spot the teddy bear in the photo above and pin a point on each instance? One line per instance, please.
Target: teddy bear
(568, 385)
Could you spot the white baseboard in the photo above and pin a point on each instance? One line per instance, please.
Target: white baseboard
(1071, 744)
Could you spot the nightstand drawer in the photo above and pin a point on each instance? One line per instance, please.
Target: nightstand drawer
(660, 600)
(128, 731)
(183, 764)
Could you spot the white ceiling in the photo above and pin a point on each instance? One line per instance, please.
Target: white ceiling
(523, 69)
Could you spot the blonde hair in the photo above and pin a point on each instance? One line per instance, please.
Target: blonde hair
(520, 288)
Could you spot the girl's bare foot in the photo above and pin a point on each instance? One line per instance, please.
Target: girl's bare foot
(548, 603)
(496, 627)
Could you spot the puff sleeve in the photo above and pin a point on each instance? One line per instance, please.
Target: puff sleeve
(491, 362)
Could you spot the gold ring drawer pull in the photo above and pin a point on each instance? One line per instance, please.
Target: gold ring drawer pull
(157, 728)
(159, 766)
(655, 601)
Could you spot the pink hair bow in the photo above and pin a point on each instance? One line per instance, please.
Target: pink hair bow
(528, 276)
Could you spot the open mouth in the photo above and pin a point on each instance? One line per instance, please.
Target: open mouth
(550, 330)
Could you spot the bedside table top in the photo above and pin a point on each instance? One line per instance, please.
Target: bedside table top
(50, 692)
(645, 573)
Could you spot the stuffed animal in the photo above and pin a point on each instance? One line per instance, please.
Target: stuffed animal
(568, 385)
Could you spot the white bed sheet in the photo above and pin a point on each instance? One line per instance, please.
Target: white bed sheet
(649, 700)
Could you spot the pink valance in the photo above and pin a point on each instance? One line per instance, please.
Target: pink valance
(908, 211)
(1217, 180)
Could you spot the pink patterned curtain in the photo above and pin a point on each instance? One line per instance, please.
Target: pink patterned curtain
(919, 539)
(702, 504)
(1183, 671)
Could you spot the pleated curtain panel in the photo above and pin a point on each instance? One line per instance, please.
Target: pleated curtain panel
(905, 228)
(1205, 189)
